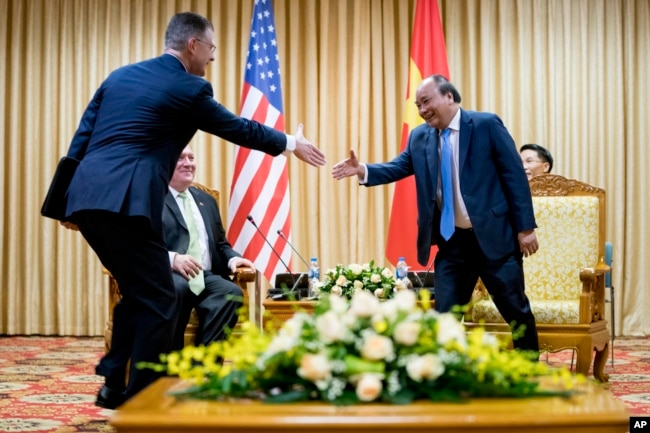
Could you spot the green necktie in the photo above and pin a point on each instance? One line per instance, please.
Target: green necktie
(197, 284)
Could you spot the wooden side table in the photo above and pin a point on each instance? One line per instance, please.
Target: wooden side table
(153, 411)
(278, 312)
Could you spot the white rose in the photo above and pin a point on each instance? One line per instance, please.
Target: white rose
(292, 328)
(350, 320)
(388, 309)
(375, 278)
(336, 290)
(338, 304)
(355, 269)
(280, 343)
(407, 333)
(369, 387)
(366, 267)
(379, 293)
(450, 329)
(377, 347)
(341, 280)
(387, 273)
(427, 366)
(400, 286)
(406, 300)
(358, 285)
(330, 327)
(314, 367)
(364, 304)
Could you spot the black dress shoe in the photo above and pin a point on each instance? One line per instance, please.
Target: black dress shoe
(109, 399)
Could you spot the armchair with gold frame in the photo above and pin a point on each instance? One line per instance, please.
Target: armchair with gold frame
(248, 280)
(565, 279)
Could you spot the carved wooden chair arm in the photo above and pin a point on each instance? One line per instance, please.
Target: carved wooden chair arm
(592, 298)
(244, 275)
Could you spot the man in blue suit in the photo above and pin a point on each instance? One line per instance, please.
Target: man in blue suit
(491, 223)
(129, 140)
(219, 299)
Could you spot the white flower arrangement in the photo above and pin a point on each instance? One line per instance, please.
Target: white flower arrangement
(345, 281)
(394, 351)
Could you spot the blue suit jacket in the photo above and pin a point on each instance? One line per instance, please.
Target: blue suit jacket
(134, 129)
(177, 236)
(492, 182)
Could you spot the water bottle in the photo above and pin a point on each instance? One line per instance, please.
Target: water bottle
(314, 276)
(401, 272)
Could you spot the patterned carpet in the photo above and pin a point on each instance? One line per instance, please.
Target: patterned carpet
(47, 383)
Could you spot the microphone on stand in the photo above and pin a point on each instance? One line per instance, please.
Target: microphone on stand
(294, 250)
(296, 280)
(422, 281)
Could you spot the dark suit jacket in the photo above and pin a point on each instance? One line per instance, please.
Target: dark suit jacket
(134, 129)
(177, 237)
(492, 182)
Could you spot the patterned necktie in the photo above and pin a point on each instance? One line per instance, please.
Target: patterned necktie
(446, 160)
(197, 284)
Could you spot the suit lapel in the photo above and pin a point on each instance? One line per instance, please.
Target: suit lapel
(465, 136)
(431, 149)
(171, 203)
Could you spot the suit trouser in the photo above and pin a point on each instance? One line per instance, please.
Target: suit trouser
(216, 308)
(144, 319)
(458, 264)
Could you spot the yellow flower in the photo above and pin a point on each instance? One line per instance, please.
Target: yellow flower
(396, 350)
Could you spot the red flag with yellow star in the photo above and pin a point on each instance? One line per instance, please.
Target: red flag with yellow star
(428, 57)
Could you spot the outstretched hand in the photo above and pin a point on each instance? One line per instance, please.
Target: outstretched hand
(305, 151)
(348, 167)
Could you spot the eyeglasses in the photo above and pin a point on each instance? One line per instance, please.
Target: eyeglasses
(212, 47)
(530, 161)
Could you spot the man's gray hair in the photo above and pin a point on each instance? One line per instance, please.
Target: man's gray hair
(182, 27)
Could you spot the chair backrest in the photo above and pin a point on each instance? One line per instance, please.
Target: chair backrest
(571, 231)
(213, 192)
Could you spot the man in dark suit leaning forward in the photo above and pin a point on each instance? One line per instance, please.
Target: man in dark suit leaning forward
(216, 298)
(128, 140)
(486, 225)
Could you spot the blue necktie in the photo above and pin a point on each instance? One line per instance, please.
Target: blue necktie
(446, 160)
(197, 284)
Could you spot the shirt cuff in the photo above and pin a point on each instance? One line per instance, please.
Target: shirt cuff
(291, 143)
(365, 176)
(172, 254)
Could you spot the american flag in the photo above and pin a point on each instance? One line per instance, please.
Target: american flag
(260, 183)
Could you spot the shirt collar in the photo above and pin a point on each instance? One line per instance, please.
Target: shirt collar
(175, 193)
(454, 125)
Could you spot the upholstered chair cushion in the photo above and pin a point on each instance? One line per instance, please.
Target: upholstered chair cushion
(568, 238)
